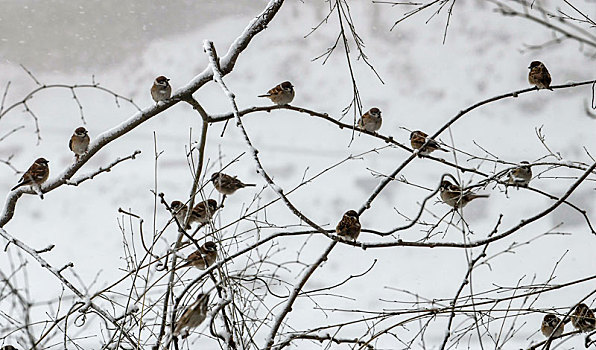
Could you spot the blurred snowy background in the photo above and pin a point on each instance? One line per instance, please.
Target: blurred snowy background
(125, 45)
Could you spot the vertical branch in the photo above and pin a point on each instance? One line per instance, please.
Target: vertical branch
(356, 102)
(466, 280)
(210, 50)
(181, 233)
(203, 141)
(149, 252)
(4, 98)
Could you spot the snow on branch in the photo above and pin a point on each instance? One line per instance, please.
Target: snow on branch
(213, 61)
(79, 179)
(226, 63)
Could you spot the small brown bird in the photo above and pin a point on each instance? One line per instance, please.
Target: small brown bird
(539, 75)
(281, 94)
(549, 323)
(194, 315)
(371, 120)
(161, 89)
(521, 175)
(349, 226)
(455, 196)
(79, 141)
(180, 210)
(418, 138)
(203, 212)
(227, 184)
(204, 257)
(583, 318)
(37, 174)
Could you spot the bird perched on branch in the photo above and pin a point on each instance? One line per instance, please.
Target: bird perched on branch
(583, 318)
(539, 75)
(521, 175)
(371, 120)
(549, 323)
(281, 94)
(180, 210)
(37, 174)
(194, 315)
(203, 212)
(417, 140)
(227, 184)
(161, 89)
(79, 141)
(455, 196)
(349, 225)
(204, 257)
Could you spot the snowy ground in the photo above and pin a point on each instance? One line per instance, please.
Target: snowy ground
(426, 83)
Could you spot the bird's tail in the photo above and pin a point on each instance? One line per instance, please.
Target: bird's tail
(250, 185)
(480, 196)
(17, 186)
(264, 95)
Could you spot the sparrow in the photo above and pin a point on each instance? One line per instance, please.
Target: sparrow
(282, 94)
(227, 184)
(161, 89)
(37, 173)
(418, 138)
(583, 318)
(349, 226)
(455, 196)
(194, 315)
(371, 120)
(204, 257)
(521, 175)
(79, 141)
(203, 212)
(179, 210)
(539, 75)
(549, 323)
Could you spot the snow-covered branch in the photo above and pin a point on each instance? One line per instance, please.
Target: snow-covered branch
(104, 169)
(226, 63)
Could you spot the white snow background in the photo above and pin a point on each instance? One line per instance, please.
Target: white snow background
(426, 83)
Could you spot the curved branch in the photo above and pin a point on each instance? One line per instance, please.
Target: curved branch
(209, 48)
(295, 292)
(78, 180)
(391, 140)
(481, 242)
(386, 181)
(227, 63)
